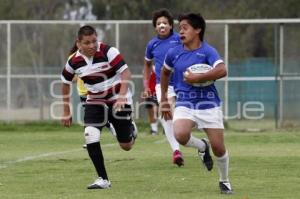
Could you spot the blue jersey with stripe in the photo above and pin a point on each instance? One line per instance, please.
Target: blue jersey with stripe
(156, 50)
(178, 60)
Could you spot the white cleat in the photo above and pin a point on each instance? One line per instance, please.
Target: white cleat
(111, 129)
(100, 184)
(135, 130)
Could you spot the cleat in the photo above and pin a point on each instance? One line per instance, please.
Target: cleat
(177, 158)
(225, 187)
(135, 130)
(111, 129)
(100, 184)
(206, 157)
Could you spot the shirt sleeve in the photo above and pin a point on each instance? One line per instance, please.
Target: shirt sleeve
(67, 73)
(214, 58)
(148, 52)
(116, 60)
(168, 63)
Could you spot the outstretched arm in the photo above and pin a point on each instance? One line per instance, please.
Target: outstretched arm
(165, 107)
(67, 117)
(146, 77)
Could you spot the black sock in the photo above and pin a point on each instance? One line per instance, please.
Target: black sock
(95, 153)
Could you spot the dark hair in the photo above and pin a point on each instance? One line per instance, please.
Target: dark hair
(73, 49)
(162, 13)
(196, 21)
(83, 31)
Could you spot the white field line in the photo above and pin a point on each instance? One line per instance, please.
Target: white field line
(29, 158)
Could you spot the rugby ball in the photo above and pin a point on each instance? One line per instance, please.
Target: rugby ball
(197, 69)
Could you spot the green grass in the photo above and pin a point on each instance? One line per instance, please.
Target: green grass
(46, 162)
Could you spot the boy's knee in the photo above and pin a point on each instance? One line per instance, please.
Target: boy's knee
(126, 146)
(218, 151)
(182, 138)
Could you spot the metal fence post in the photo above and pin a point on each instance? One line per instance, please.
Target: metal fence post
(8, 69)
(280, 92)
(226, 97)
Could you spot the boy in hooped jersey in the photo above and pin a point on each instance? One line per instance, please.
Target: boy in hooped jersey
(196, 106)
(155, 53)
(109, 100)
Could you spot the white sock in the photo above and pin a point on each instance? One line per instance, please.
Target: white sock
(196, 143)
(223, 164)
(168, 127)
(154, 126)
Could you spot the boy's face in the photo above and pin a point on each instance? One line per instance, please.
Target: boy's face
(88, 45)
(187, 32)
(163, 28)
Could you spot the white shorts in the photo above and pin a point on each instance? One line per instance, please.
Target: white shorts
(171, 92)
(207, 118)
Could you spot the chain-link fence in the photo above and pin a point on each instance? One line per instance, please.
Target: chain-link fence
(262, 88)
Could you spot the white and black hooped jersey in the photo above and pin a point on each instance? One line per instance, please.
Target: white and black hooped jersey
(101, 73)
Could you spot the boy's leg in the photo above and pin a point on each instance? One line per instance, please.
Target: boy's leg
(169, 128)
(124, 126)
(184, 122)
(92, 137)
(216, 138)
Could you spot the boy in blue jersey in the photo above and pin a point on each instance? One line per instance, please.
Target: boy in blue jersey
(155, 52)
(196, 106)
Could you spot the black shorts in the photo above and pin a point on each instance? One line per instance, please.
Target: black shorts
(150, 102)
(97, 115)
(82, 99)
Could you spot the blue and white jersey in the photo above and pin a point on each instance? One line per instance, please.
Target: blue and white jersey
(156, 51)
(178, 60)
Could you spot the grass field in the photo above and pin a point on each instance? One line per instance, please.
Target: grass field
(46, 161)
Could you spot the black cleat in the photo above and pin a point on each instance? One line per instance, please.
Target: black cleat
(152, 132)
(206, 157)
(225, 188)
